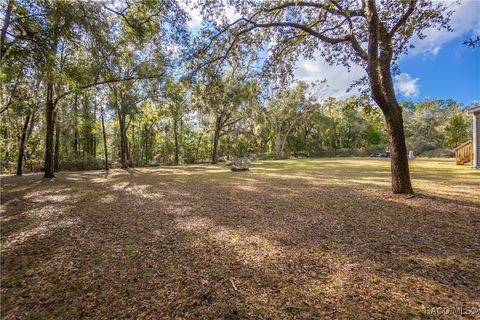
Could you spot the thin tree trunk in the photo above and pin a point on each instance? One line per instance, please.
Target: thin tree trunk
(56, 162)
(198, 147)
(75, 127)
(147, 141)
(133, 150)
(21, 149)
(146, 145)
(94, 147)
(104, 142)
(123, 148)
(31, 157)
(175, 134)
(286, 136)
(7, 145)
(127, 146)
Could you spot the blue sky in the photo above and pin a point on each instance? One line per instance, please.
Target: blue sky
(454, 72)
(439, 66)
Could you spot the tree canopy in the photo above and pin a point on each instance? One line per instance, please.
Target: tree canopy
(129, 83)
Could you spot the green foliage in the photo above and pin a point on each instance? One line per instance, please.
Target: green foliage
(127, 62)
(426, 124)
(456, 130)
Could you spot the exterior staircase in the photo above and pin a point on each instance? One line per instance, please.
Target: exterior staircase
(464, 153)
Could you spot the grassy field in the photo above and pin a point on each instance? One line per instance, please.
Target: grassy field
(302, 239)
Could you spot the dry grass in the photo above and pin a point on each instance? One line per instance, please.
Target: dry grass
(301, 239)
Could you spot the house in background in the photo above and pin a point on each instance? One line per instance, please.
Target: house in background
(475, 112)
(470, 150)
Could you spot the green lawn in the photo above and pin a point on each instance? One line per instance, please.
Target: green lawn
(302, 239)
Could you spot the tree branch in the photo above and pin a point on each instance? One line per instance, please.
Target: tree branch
(403, 19)
(351, 13)
(97, 83)
(299, 26)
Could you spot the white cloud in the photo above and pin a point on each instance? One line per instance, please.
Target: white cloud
(406, 85)
(465, 23)
(434, 51)
(232, 14)
(196, 16)
(338, 78)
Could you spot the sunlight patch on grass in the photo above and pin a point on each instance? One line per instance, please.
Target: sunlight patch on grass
(51, 220)
(49, 196)
(251, 249)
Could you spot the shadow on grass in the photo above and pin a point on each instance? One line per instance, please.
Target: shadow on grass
(207, 243)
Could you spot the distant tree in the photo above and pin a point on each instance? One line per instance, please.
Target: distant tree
(223, 99)
(285, 111)
(426, 121)
(456, 130)
(368, 33)
(177, 106)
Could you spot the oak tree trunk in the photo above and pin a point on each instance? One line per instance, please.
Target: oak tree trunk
(384, 95)
(398, 154)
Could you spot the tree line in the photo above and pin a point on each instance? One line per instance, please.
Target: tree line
(130, 83)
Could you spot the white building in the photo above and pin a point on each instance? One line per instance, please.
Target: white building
(475, 112)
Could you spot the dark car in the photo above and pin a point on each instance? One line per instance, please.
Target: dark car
(385, 154)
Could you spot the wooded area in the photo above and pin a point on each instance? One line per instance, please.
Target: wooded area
(120, 119)
(89, 85)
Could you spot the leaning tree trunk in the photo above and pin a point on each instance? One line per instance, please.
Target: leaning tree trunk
(50, 127)
(21, 150)
(284, 142)
(379, 70)
(398, 149)
(383, 93)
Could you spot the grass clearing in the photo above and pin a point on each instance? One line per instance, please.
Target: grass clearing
(311, 238)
